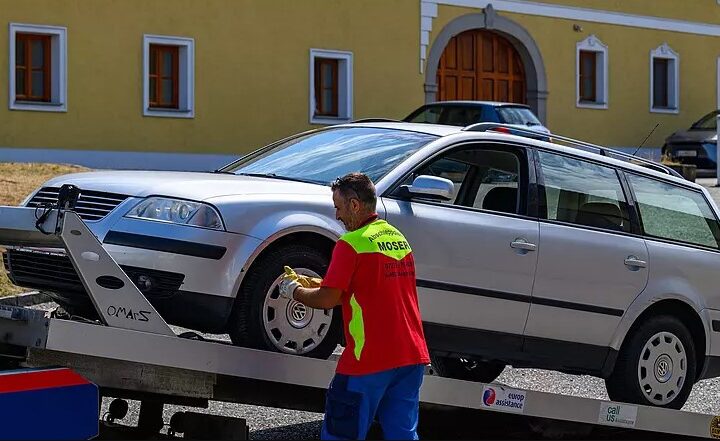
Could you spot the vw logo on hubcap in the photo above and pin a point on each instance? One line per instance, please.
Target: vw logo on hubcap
(663, 368)
(298, 315)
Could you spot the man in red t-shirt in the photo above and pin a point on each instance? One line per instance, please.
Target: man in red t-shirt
(372, 275)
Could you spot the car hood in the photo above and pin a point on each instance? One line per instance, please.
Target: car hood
(691, 136)
(185, 185)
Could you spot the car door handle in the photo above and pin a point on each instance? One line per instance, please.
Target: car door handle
(634, 261)
(522, 244)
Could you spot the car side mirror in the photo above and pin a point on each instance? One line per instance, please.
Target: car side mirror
(430, 187)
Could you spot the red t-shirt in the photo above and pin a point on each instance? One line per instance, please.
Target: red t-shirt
(375, 269)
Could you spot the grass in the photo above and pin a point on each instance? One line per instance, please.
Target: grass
(16, 182)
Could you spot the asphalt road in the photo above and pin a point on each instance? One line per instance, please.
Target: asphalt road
(271, 423)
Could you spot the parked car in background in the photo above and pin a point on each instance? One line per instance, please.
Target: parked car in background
(527, 253)
(465, 113)
(696, 145)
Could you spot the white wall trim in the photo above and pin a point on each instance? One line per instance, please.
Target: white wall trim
(186, 80)
(345, 86)
(58, 49)
(593, 44)
(591, 15)
(428, 11)
(666, 52)
(717, 74)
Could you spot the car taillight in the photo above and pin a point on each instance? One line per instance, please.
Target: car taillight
(502, 129)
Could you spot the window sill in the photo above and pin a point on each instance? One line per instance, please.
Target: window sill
(169, 113)
(329, 120)
(671, 110)
(38, 106)
(591, 105)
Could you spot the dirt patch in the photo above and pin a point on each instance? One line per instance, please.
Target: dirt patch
(17, 181)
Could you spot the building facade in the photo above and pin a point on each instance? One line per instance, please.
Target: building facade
(223, 77)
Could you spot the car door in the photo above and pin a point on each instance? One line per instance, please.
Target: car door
(591, 265)
(475, 254)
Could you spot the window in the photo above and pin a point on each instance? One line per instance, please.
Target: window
(38, 56)
(674, 213)
(664, 83)
(331, 95)
(592, 73)
(582, 193)
(163, 76)
(486, 179)
(326, 87)
(169, 72)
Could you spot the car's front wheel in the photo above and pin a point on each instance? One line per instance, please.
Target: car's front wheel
(262, 319)
(656, 365)
(466, 369)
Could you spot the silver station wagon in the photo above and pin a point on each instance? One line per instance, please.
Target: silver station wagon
(529, 253)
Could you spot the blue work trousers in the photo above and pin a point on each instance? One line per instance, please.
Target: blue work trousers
(354, 401)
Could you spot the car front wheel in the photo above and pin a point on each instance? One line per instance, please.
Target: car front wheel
(262, 319)
(656, 365)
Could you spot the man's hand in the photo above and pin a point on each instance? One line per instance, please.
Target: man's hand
(305, 281)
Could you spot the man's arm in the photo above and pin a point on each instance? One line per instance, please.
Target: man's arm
(318, 298)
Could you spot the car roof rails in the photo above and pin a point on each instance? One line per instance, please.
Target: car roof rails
(602, 150)
(369, 120)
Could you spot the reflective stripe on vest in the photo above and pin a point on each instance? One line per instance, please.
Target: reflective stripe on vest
(376, 237)
(357, 327)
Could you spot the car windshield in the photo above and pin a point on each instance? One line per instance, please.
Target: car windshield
(707, 122)
(518, 115)
(321, 157)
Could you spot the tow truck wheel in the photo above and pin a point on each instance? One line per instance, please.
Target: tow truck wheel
(656, 365)
(262, 319)
(466, 369)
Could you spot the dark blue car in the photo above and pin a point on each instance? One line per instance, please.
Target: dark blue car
(696, 145)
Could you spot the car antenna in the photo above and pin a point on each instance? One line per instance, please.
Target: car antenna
(646, 138)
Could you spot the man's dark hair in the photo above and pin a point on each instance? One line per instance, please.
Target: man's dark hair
(357, 185)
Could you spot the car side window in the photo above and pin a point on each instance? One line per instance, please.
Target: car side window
(582, 193)
(486, 179)
(675, 213)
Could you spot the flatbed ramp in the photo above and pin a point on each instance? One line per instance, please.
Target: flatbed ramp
(132, 353)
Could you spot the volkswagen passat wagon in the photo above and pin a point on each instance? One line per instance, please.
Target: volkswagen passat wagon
(528, 253)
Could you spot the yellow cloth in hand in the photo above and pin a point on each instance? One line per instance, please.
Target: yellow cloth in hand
(304, 281)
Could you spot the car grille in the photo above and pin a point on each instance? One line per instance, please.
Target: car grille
(54, 271)
(91, 205)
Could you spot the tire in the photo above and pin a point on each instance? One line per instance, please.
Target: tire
(263, 320)
(466, 369)
(656, 365)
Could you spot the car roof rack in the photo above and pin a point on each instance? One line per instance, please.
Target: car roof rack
(369, 120)
(602, 150)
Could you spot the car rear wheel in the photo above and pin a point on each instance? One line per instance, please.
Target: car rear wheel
(466, 369)
(262, 319)
(656, 365)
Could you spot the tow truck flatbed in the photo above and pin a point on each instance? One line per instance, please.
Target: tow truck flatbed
(132, 353)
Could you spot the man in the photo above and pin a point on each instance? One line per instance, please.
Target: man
(372, 275)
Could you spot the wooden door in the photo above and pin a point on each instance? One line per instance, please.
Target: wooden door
(481, 65)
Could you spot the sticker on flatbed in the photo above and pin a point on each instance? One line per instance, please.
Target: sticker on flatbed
(501, 398)
(715, 427)
(616, 414)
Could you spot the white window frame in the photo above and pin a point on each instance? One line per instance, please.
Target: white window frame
(58, 68)
(593, 44)
(186, 76)
(345, 86)
(666, 52)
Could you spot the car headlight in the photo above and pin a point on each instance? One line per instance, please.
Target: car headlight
(177, 211)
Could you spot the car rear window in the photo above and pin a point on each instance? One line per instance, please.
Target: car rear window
(675, 213)
(517, 115)
(452, 115)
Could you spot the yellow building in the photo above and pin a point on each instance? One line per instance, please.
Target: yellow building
(228, 76)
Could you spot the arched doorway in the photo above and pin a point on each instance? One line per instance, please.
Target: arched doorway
(481, 65)
(521, 40)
